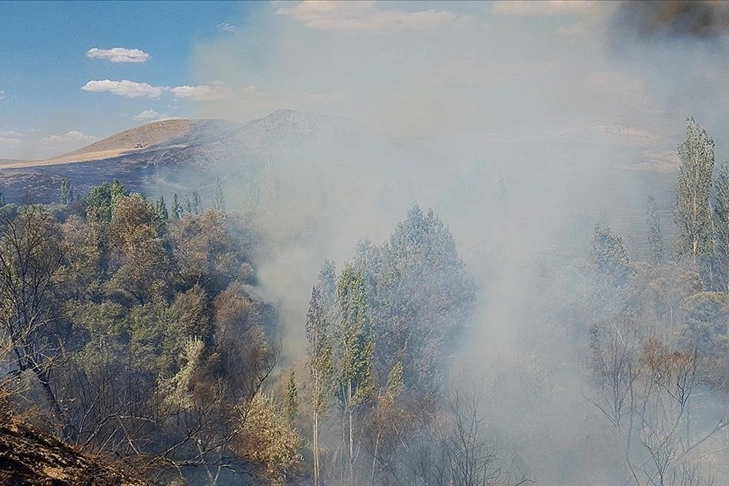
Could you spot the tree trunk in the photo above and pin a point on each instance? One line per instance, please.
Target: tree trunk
(351, 429)
(316, 447)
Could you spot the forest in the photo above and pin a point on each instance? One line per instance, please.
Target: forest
(138, 330)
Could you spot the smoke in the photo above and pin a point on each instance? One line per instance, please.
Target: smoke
(520, 127)
(699, 19)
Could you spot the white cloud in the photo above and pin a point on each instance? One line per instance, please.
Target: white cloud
(74, 136)
(202, 93)
(543, 8)
(152, 115)
(125, 87)
(226, 27)
(118, 54)
(364, 16)
(10, 138)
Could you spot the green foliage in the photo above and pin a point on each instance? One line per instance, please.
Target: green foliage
(100, 200)
(161, 210)
(693, 212)
(609, 257)
(354, 348)
(267, 441)
(655, 234)
(319, 351)
(219, 198)
(176, 208)
(721, 228)
(705, 320)
(292, 398)
(66, 192)
(420, 299)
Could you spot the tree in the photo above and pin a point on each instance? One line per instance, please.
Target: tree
(655, 235)
(101, 199)
(31, 257)
(142, 264)
(652, 393)
(421, 298)
(176, 208)
(292, 398)
(219, 201)
(354, 352)
(66, 192)
(161, 210)
(319, 363)
(721, 228)
(693, 212)
(609, 257)
(268, 441)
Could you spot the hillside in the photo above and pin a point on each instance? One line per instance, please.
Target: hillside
(161, 157)
(29, 457)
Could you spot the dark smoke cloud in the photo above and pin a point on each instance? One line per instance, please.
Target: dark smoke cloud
(697, 19)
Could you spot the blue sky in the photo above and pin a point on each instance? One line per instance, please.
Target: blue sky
(518, 70)
(44, 63)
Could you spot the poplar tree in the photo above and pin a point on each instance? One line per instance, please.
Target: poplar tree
(355, 351)
(721, 227)
(292, 398)
(655, 235)
(66, 192)
(161, 209)
(219, 199)
(176, 208)
(693, 212)
(320, 369)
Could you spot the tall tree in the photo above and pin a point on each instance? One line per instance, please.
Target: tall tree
(721, 228)
(320, 369)
(66, 192)
(693, 212)
(655, 235)
(31, 257)
(176, 208)
(609, 257)
(161, 210)
(219, 198)
(354, 352)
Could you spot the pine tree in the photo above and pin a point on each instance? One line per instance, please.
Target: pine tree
(693, 212)
(655, 235)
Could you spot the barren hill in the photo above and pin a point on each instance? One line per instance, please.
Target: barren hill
(182, 156)
(29, 457)
(137, 138)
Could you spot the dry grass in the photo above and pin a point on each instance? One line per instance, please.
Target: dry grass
(119, 144)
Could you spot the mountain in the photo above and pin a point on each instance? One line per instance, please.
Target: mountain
(182, 156)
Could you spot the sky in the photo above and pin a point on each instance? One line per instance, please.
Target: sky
(75, 72)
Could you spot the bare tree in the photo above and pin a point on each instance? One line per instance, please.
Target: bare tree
(30, 259)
